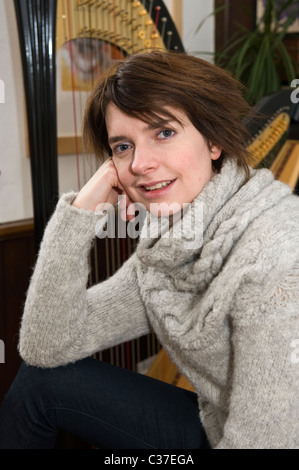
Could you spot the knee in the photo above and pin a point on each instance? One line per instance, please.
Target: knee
(31, 382)
(46, 386)
(26, 380)
(23, 391)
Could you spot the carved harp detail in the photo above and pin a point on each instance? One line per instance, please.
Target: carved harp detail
(128, 25)
(105, 31)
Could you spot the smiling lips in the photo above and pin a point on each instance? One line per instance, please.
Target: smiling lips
(162, 184)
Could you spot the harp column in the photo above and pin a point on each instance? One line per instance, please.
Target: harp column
(37, 35)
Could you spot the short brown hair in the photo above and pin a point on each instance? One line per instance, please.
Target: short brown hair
(144, 84)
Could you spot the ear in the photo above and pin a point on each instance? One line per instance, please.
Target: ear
(215, 152)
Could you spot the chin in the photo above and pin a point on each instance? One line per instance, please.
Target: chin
(164, 209)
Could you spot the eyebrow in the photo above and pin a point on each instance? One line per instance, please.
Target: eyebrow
(155, 125)
(116, 138)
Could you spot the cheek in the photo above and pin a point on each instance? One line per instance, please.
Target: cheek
(124, 175)
(198, 167)
(193, 162)
(121, 170)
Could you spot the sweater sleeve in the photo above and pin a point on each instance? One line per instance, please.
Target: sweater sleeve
(263, 408)
(63, 321)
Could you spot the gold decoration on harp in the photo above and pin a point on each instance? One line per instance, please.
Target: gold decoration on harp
(123, 24)
(269, 137)
(286, 165)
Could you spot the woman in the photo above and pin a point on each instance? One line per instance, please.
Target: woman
(218, 285)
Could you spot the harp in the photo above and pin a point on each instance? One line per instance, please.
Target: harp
(270, 146)
(68, 35)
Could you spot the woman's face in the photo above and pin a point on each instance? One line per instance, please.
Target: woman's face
(169, 164)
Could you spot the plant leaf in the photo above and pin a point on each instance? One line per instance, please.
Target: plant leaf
(213, 13)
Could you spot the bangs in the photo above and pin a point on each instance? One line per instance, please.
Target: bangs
(155, 118)
(143, 106)
(154, 86)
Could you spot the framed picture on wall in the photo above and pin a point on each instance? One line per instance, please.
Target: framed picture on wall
(290, 10)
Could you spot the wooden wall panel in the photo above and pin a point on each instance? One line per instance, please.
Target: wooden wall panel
(233, 14)
(17, 257)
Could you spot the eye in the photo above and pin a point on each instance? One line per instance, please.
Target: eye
(121, 148)
(166, 134)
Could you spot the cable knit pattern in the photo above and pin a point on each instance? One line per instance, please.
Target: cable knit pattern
(220, 292)
(198, 299)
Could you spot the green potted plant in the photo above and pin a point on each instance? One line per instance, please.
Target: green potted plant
(259, 57)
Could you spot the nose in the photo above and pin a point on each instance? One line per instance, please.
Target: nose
(144, 161)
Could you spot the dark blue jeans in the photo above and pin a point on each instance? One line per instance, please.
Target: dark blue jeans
(107, 406)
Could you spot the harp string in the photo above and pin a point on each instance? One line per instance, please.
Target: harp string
(73, 94)
(158, 9)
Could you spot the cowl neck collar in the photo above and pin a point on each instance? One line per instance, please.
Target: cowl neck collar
(211, 223)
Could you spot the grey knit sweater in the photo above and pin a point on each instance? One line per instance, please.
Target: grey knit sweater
(225, 308)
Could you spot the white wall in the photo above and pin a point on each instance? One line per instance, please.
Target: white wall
(15, 178)
(15, 181)
(201, 43)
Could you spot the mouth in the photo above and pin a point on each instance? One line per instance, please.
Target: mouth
(157, 186)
